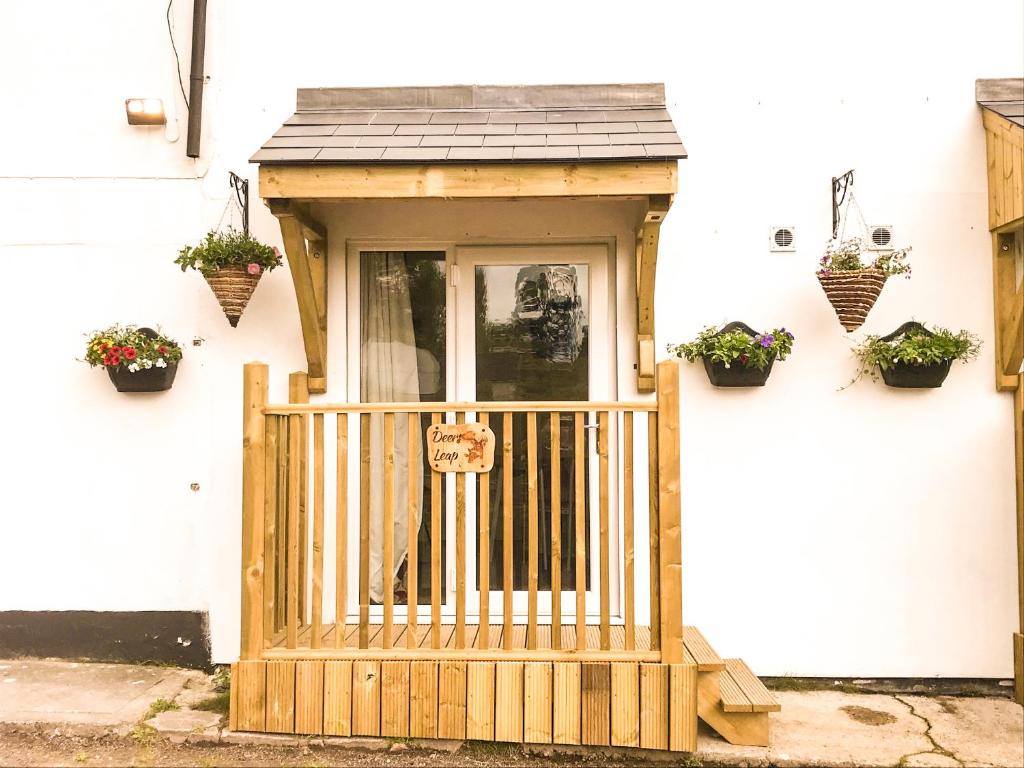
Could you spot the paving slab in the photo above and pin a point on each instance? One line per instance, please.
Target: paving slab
(91, 694)
(834, 729)
(179, 725)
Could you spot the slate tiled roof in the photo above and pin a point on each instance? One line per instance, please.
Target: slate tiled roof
(461, 124)
(1004, 97)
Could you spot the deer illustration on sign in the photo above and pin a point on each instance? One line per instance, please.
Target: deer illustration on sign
(460, 447)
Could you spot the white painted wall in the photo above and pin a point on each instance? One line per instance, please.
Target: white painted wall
(864, 532)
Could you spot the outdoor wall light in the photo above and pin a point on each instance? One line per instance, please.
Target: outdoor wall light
(145, 111)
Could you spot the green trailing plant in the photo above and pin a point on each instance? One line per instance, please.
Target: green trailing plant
(847, 256)
(736, 346)
(914, 347)
(229, 249)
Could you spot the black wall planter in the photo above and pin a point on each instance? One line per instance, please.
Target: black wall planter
(737, 374)
(145, 380)
(908, 375)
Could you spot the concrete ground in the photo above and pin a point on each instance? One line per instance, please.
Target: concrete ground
(63, 713)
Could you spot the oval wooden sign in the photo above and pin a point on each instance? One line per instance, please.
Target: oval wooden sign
(460, 447)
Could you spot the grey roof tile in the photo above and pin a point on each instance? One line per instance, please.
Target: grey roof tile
(578, 116)
(305, 130)
(546, 128)
(480, 153)
(476, 123)
(533, 139)
(452, 141)
(518, 117)
(425, 130)
(330, 118)
(459, 117)
(487, 130)
(613, 150)
(353, 154)
(577, 139)
(365, 130)
(388, 141)
(416, 117)
(415, 153)
(280, 154)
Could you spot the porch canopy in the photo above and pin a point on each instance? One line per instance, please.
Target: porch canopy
(467, 142)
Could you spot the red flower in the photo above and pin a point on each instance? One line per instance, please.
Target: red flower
(115, 350)
(129, 353)
(162, 349)
(114, 360)
(104, 347)
(106, 359)
(744, 357)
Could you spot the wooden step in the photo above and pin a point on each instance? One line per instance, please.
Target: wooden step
(742, 691)
(697, 650)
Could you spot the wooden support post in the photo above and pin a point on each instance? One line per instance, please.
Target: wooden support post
(309, 275)
(670, 568)
(646, 264)
(1008, 305)
(254, 398)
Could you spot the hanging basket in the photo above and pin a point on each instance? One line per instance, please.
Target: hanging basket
(853, 294)
(737, 374)
(233, 287)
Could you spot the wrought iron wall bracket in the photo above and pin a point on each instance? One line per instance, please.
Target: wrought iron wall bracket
(240, 187)
(840, 185)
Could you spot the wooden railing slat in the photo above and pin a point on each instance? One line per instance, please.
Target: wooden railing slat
(388, 557)
(654, 527)
(254, 469)
(270, 529)
(460, 552)
(556, 532)
(506, 510)
(435, 551)
(581, 532)
(318, 531)
(341, 533)
(484, 534)
(603, 530)
(532, 526)
(281, 545)
(627, 532)
(364, 530)
(292, 587)
(413, 527)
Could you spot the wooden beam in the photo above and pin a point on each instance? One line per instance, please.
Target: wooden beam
(647, 237)
(1018, 435)
(1008, 305)
(498, 180)
(1004, 145)
(309, 275)
(311, 228)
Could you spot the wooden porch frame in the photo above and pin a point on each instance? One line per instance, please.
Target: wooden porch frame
(289, 190)
(1004, 143)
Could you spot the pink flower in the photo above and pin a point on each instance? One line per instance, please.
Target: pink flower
(277, 252)
(253, 269)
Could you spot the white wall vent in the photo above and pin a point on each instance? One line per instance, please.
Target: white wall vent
(880, 237)
(782, 239)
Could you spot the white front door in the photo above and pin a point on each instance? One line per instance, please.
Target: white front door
(532, 323)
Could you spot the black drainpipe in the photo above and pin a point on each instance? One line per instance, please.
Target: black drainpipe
(196, 78)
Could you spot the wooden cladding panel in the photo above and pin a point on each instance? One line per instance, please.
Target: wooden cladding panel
(480, 700)
(508, 701)
(281, 696)
(1004, 144)
(451, 705)
(596, 685)
(366, 698)
(651, 706)
(338, 698)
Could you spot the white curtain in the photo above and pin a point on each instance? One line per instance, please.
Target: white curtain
(389, 373)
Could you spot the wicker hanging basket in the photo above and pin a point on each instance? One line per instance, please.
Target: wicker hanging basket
(233, 287)
(853, 294)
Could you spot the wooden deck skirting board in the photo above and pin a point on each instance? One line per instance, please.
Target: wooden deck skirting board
(629, 704)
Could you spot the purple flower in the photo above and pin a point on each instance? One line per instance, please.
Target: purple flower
(790, 335)
(767, 341)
